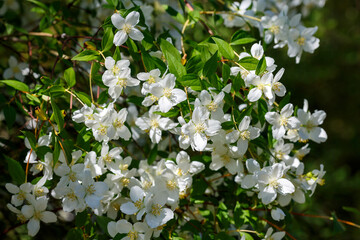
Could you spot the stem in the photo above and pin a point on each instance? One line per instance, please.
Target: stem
(72, 94)
(278, 228)
(91, 92)
(231, 13)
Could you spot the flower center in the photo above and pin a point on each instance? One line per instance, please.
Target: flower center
(151, 80)
(154, 123)
(155, 209)
(107, 158)
(245, 135)
(37, 215)
(212, 106)
(125, 181)
(283, 121)
(102, 130)
(200, 127)
(118, 124)
(276, 86)
(123, 167)
(90, 189)
(71, 196)
(133, 235)
(171, 185)
(138, 204)
(127, 28)
(274, 183)
(275, 29)
(225, 159)
(301, 41)
(167, 92)
(39, 166)
(115, 70)
(39, 192)
(122, 82)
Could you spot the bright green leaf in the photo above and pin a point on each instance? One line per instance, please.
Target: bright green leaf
(69, 76)
(16, 84)
(224, 48)
(87, 55)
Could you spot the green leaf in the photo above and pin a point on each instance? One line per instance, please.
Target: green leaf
(74, 233)
(225, 72)
(81, 218)
(103, 222)
(210, 66)
(238, 82)
(87, 55)
(10, 115)
(249, 63)
(34, 100)
(59, 119)
(117, 54)
(40, 4)
(173, 58)
(237, 213)
(224, 48)
(15, 170)
(190, 80)
(242, 41)
(337, 227)
(152, 154)
(69, 76)
(84, 98)
(16, 84)
(351, 209)
(261, 67)
(31, 138)
(172, 113)
(262, 110)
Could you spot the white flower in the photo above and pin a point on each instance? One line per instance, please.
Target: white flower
(16, 70)
(213, 102)
(36, 212)
(134, 232)
(118, 82)
(243, 135)
(199, 127)
(310, 124)
(271, 182)
(150, 78)
(126, 27)
(283, 121)
(250, 180)
(275, 236)
(20, 193)
(276, 28)
(277, 214)
(154, 124)
(136, 206)
(302, 39)
(166, 93)
(118, 128)
(93, 191)
(261, 86)
(156, 213)
(114, 68)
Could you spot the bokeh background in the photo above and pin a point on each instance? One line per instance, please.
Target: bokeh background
(330, 80)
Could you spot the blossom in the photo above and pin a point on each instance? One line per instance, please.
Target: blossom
(136, 205)
(16, 70)
(126, 27)
(271, 182)
(154, 124)
(283, 121)
(276, 236)
(302, 39)
(156, 213)
(19, 193)
(134, 231)
(243, 134)
(118, 82)
(36, 212)
(310, 124)
(261, 86)
(200, 127)
(167, 95)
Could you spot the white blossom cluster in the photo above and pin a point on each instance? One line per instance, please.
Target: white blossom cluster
(148, 194)
(279, 23)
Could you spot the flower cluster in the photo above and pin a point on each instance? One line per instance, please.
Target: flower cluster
(177, 127)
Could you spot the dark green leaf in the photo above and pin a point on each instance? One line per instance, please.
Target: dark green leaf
(74, 233)
(10, 115)
(16, 84)
(103, 222)
(84, 98)
(285, 100)
(249, 63)
(69, 76)
(87, 55)
(224, 48)
(153, 154)
(242, 41)
(173, 58)
(225, 72)
(15, 170)
(59, 118)
(31, 138)
(211, 65)
(261, 67)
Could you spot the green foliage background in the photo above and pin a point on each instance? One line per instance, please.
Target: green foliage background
(330, 80)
